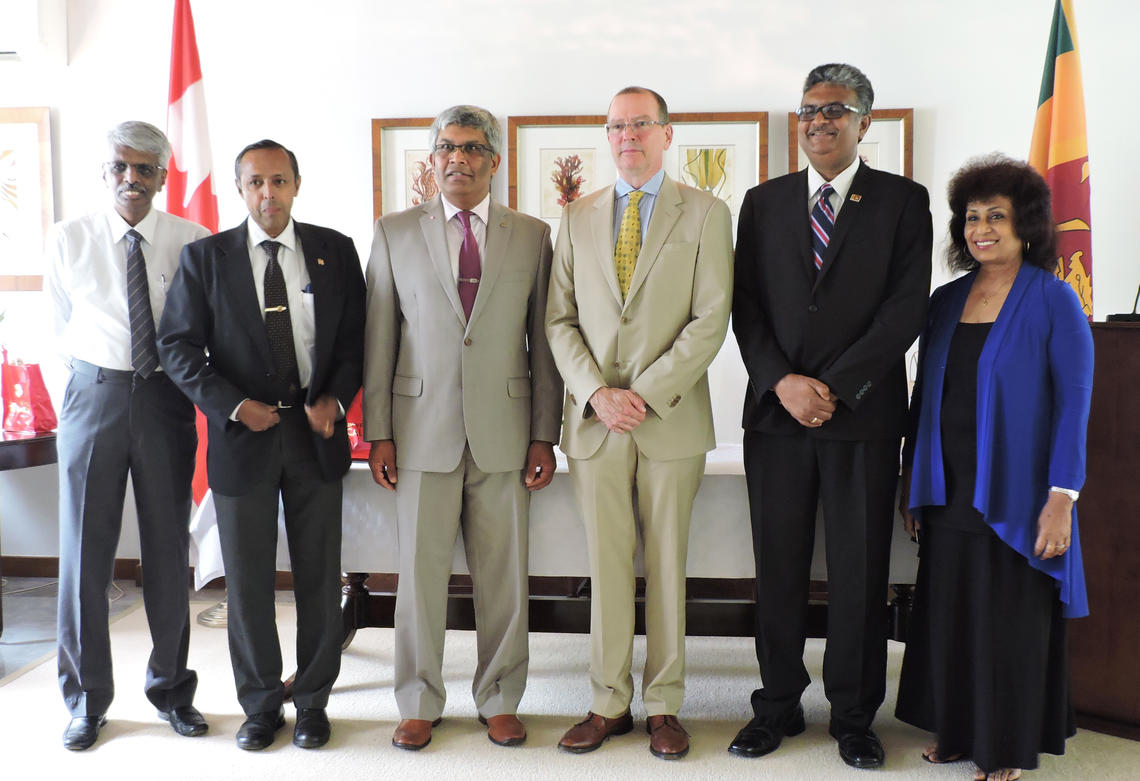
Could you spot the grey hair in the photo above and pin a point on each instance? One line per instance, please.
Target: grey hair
(845, 76)
(141, 137)
(474, 117)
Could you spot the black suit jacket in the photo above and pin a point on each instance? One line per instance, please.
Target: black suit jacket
(213, 343)
(849, 324)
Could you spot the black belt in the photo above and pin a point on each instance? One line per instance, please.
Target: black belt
(101, 374)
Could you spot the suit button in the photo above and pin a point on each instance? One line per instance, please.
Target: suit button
(813, 308)
(625, 321)
(467, 341)
(617, 364)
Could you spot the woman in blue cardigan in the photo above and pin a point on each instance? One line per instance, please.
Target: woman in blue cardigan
(995, 459)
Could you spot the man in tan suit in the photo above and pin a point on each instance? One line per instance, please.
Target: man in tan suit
(640, 293)
(462, 396)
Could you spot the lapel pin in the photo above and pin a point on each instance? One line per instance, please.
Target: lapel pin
(320, 261)
(856, 197)
(502, 224)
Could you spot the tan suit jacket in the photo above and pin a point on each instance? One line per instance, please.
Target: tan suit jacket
(434, 382)
(661, 340)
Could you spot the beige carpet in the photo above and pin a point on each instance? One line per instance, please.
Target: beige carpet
(722, 672)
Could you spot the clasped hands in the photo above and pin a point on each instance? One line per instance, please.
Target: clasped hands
(806, 399)
(620, 410)
(259, 416)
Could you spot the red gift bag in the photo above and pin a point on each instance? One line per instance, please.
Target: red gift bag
(355, 419)
(27, 405)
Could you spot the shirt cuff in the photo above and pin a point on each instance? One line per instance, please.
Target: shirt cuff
(1069, 492)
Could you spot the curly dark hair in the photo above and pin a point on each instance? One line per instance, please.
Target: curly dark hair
(996, 174)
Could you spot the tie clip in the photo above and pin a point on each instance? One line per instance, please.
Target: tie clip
(275, 308)
(469, 280)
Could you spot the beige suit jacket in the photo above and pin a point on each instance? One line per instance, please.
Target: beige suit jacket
(660, 342)
(434, 382)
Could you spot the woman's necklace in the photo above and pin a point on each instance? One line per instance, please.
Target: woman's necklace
(1004, 287)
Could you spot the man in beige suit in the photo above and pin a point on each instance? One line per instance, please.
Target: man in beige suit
(462, 397)
(640, 292)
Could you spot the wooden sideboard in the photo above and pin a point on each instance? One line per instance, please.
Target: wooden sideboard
(1104, 647)
(22, 450)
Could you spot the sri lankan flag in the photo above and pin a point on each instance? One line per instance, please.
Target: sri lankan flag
(1059, 150)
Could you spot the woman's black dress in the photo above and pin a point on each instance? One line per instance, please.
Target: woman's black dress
(986, 665)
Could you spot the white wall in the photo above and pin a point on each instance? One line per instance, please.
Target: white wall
(312, 75)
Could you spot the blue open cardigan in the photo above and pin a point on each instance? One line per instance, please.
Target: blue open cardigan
(1034, 390)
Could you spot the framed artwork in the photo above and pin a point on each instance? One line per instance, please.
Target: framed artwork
(558, 159)
(27, 208)
(401, 164)
(887, 146)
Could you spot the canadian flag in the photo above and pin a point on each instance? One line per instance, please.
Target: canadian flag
(189, 180)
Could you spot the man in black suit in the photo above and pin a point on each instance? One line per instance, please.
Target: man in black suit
(264, 331)
(828, 298)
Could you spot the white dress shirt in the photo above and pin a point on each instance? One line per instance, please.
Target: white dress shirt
(291, 258)
(455, 231)
(86, 261)
(841, 184)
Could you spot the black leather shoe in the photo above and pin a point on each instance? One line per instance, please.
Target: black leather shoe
(82, 732)
(258, 730)
(186, 720)
(860, 748)
(312, 729)
(762, 735)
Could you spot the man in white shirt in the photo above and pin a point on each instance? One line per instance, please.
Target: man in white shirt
(107, 278)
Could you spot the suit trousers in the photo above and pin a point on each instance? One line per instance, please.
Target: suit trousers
(111, 424)
(247, 526)
(788, 478)
(621, 491)
(493, 511)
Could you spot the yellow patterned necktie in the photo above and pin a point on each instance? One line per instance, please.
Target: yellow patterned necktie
(628, 242)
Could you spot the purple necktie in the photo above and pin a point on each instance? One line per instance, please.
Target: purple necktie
(469, 268)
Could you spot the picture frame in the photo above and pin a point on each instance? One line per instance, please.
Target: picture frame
(27, 202)
(722, 152)
(887, 146)
(396, 172)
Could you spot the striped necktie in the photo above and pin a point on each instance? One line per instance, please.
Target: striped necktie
(822, 221)
(628, 242)
(144, 352)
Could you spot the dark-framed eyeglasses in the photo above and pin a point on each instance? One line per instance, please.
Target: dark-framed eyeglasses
(145, 170)
(638, 126)
(829, 111)
(470, 149)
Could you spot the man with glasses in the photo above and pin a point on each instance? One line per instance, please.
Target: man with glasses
(832, 279)
(264, 331)
(640, 293)
(461, 405)
(107, 279)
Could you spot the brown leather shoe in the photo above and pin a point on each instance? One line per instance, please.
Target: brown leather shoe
(413, 734)
(592, 731)
(506, 729)
(667, 738)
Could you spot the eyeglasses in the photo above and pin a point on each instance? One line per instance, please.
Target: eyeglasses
(638, 126)
(145, 170)
(829, 111)
(470, 149)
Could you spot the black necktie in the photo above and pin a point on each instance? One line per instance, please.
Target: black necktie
(144, 353)
(278, 323)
